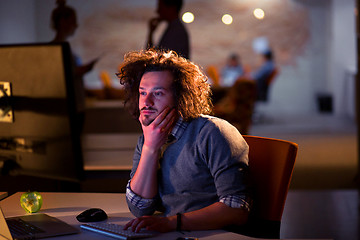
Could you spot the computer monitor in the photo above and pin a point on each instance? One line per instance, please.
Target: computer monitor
(38, 127)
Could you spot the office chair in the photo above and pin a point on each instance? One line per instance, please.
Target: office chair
(271, 163)
(263, 89)
(213, 74)
(272, 76)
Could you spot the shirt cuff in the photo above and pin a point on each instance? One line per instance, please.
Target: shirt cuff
(136, 200)
(237, 201)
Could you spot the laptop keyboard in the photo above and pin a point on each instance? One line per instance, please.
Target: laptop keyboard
(116, 231)
(19, 227)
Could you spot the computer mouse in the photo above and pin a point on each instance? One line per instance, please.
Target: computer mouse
(92, 215)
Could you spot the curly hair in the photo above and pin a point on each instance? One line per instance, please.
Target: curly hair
(190, 87)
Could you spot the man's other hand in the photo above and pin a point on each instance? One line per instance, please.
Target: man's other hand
(152, 223)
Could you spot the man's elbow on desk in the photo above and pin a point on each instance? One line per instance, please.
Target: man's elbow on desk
(238, 216)
(233, 216)
(215, 216)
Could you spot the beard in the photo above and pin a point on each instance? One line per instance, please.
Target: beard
(146, 120)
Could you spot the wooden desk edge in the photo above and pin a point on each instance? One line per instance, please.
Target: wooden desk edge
(3, 195)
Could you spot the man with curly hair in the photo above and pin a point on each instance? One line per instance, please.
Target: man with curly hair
(187, 164)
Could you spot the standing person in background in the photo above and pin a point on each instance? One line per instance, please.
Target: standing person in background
(175, 37)
(191, 166)
(64, 22)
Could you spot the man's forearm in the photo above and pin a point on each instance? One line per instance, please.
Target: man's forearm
(144, 183)
(215, 216)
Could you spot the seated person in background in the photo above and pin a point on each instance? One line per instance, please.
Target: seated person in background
(188, 165)
(237, 105)
(262, 75)
(232, 71)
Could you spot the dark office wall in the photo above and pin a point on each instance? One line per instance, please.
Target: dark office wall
(323, 64)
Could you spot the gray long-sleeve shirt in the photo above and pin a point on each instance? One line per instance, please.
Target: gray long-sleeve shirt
(207, 162)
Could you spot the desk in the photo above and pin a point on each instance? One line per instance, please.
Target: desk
(66, 206)
(3, 195)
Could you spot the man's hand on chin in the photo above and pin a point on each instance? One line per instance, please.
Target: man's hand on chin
(156, 133)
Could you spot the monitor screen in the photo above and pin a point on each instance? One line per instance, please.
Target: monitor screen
(38, 135)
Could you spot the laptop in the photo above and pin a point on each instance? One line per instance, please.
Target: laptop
(33, 226)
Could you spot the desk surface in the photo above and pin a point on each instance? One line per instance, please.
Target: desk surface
(3, 195)
(66, 206)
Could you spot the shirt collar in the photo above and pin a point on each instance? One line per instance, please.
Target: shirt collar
(179, 128)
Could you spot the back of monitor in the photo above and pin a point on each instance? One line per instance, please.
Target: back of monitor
(38, 135)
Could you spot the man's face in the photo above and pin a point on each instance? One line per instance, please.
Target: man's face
(155, 95)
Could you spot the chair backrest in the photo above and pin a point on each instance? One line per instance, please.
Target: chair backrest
(263, 87)
(272, 76)
(271, 163)
(214, 75)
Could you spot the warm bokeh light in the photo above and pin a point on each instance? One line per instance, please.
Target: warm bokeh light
(227, 19)
(188, 17)
(259, 13)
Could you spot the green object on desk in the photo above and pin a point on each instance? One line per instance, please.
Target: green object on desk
(31, 201)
